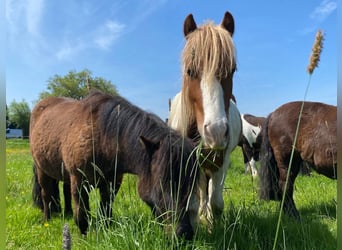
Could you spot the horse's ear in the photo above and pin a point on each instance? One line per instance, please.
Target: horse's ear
(228, 23)
(189, 25)
(149, 145)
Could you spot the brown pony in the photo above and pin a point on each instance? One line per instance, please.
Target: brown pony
(315, 145)
(96, 140)
(203, 110)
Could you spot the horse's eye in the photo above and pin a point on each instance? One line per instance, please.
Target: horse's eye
(234, 69)
(190, 73)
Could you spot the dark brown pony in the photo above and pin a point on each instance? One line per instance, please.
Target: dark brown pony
(315, 145)
(96, 140)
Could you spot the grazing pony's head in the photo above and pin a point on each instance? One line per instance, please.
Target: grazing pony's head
(208, 66)
(169, 186)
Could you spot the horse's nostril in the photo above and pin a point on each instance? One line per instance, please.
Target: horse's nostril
(206, 128)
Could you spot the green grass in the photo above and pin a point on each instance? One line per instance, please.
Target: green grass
(247, 223)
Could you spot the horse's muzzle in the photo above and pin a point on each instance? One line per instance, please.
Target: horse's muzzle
(185, 231)
(216, 135)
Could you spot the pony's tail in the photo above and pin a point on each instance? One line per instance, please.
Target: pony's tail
(269, 173)
(36, 190)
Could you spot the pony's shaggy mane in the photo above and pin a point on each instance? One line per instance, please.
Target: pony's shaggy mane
(107, 109)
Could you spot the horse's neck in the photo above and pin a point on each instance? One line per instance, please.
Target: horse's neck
(235, 126)
(193, 133)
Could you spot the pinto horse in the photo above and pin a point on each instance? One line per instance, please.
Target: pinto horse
(316, 145)
(203, 109)
(250, 142)
(98, 139)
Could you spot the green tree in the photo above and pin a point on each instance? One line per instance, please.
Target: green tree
(19, 114)
(8, 122)
(77, 85)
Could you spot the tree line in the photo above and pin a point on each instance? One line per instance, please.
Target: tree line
(74, 84)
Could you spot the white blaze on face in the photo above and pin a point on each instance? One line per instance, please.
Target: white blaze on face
(215, 125)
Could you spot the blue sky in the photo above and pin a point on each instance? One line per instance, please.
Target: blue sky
(137, 45)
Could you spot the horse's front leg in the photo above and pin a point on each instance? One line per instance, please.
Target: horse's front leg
(67, 199)
(215, 190)
(253, 168)
(108, 191)
(117, 184)
(105, 204)
(203, 197)
(81, 200)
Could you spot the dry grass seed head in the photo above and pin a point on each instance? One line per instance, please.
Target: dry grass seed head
(316, 52)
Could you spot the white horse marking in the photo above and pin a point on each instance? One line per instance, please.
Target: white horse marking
(215, 126)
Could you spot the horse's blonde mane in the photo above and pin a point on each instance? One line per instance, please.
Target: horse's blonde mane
(177, 119)
(209, 49)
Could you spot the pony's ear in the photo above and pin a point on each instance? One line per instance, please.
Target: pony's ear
(228, 23)
(189, 25)
(149, 145)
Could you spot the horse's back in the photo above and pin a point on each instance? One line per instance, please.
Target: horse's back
(49, 113)
(314, 116)
(45, 116)
(45, 104)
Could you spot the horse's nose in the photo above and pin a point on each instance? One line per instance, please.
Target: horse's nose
(216, 134)
(185, 231)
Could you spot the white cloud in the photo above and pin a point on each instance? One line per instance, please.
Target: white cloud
(14, 13)
(108, 33)
(308, 30)
(28, 32)
(33, 15)
(67, 51)
(102, 38)
(24, 16)
(150, 6)
(24, 29)
(323, 10)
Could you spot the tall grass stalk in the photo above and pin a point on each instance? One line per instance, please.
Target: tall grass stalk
(314, 59)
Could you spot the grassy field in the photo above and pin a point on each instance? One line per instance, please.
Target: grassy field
(247, 223)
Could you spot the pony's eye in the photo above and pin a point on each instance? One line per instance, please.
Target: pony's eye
(190, 73)
(234, 68)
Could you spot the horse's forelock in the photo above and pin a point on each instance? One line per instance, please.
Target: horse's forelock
(209, 49)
